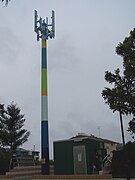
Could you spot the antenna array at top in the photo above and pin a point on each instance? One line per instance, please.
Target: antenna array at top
(42, 28)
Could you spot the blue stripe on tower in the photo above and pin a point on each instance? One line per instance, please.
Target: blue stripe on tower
(44, 131)
(44, 63)
(45, 167)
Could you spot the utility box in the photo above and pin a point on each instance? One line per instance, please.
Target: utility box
(79, 155)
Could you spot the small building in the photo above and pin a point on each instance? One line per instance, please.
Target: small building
(81, 154)
(24, 152)
(23, 157)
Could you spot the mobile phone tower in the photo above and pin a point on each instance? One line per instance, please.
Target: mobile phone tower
(44, 30)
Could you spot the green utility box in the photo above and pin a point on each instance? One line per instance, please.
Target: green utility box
(78, 155)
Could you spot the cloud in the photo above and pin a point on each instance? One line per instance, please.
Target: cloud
(63, 54)
(9, 46)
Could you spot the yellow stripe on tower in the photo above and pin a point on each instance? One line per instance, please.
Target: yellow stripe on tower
(44, 94)
(43, 44)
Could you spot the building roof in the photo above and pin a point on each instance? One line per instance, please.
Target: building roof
(24, 150)
(82, 136)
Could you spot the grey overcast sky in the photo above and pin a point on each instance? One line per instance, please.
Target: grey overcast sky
(87, 33)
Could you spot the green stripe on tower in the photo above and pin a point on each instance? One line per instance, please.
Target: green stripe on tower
(44, 82)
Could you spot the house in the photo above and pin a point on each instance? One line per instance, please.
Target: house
(24, 152)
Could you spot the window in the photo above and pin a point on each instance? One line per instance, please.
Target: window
(79, 157)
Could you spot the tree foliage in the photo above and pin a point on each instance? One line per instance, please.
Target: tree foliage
(116, 96)
(132, 126)
(6, 2)
(12, 133)
(126, 50)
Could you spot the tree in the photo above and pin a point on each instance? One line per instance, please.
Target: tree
(121, 97)
(126, 50)
(12, 133)
(115, 97)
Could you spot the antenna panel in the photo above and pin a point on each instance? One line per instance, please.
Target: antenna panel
(53, 22)
(35, 21)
